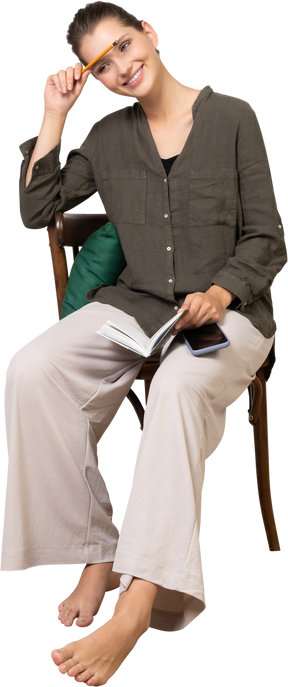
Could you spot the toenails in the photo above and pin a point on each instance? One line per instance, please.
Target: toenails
(83, 677)
(63, 668)
(78, 671)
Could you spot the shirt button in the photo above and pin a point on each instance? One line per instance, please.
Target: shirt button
(176, 307)
(170, 281)
(37, 167)
(165, 216)
(168, 247)
(165, 179)
(27, 152)
(279, 226)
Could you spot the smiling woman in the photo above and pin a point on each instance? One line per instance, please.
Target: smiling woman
(184, 177)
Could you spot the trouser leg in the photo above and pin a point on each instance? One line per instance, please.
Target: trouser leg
(63, 389)
(184, 423)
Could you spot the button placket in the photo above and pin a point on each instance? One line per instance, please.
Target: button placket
(170, 276)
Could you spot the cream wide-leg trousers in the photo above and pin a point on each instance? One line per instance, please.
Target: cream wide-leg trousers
(63, 390)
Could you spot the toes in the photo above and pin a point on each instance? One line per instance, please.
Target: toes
(59, 604)
(70, 624)
(83, 677)
(58, 656)
(78, 669)
(69, 667)
(85, 623)
(66, 618)
(63, 611)
(66, 621)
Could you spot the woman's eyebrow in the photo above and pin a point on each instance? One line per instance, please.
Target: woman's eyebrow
(104, 58)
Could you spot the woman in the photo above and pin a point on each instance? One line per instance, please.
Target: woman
(184, 177)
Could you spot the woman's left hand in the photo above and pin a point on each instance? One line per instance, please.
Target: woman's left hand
(204, 308)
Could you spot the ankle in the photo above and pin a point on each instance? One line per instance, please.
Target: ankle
(137, 602)
(113, 580)
(142, 593)
(143, 588)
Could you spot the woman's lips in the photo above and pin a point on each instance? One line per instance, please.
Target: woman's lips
(138, 74)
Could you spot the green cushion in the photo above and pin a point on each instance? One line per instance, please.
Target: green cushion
(100, 261)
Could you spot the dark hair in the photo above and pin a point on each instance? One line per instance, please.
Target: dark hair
(87, 18)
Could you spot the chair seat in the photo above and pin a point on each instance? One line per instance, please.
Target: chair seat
(155, 358)
(149, 368)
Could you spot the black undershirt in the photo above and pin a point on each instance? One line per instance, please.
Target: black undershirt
(168, 163)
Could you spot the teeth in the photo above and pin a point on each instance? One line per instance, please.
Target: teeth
(135, 76)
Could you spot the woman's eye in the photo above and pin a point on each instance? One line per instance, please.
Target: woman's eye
(124, 45)
(121, 46)
(102, 68)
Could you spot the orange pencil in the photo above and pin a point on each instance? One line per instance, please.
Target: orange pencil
(98, 58)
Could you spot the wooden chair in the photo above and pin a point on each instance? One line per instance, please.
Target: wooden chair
(73, 230)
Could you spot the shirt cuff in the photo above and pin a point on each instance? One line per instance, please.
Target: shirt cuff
(235, 285)
(45, 165)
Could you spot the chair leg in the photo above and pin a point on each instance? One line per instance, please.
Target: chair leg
(137, 405)
(262, 464)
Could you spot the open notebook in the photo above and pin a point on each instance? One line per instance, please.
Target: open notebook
(129, 337)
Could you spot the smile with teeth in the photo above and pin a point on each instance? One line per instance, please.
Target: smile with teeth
(134, 77)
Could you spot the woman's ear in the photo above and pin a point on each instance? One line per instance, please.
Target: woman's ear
(150, 33)
(155, 33)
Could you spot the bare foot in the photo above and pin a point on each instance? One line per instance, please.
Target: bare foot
(86, 599)
(96, 658)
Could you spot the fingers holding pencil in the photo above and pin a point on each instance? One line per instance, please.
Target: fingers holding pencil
(66, 80)
(63, 89)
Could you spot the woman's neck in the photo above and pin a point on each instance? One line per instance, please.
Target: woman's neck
(168, 98)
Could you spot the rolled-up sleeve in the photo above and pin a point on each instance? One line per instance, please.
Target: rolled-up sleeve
(260, 251)
(51, 188)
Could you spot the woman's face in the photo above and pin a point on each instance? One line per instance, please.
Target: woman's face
(132, 66)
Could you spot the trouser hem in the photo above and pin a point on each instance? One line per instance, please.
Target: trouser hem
(30, 559)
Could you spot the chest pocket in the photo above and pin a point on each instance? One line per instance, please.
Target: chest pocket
(124, 195)
(212, 197)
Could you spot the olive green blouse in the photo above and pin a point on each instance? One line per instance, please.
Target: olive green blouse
(213, 220)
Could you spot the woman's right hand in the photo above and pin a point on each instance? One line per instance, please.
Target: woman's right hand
(63, 89)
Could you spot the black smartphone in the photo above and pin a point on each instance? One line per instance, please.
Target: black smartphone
(205, 339)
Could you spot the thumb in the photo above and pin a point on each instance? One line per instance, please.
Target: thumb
(80, 83)
(84, 76)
